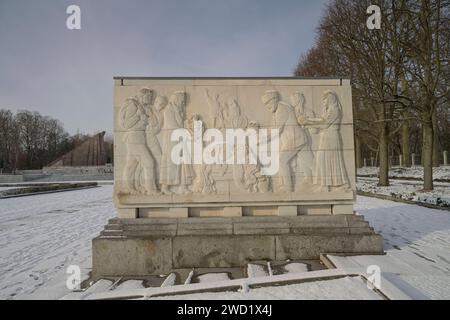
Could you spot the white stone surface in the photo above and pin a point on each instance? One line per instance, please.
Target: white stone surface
(316, 157)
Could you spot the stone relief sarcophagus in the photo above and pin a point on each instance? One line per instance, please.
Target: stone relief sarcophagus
(246, 147)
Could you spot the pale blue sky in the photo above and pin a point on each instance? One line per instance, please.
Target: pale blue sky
(67, 74)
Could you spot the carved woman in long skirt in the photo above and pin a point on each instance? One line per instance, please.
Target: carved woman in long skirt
(172, 174)
(330, 173)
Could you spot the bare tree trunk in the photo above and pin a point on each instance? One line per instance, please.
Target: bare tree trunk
(358, 156)
(427, 152)
(422, 160)
(406, 151)
(384, 155)
(436, 149)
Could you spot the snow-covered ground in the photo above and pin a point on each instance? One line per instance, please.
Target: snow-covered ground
(40, 236)
(406, 183)
(440, 173)
(417, 245)
(408, 190)
(349, 288)
(8, 188)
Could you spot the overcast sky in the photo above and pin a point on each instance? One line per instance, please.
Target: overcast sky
(67, 74)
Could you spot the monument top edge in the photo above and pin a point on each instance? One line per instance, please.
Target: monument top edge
(229, 78)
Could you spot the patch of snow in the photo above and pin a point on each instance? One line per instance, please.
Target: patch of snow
(348, 288)
(408, 190)
(189, 277)
(213, 277)
(416, 241)
(416, 172)
(42, 235)
(100, 286)
(218, 285)
(269, 268)
(296, 267)
(256, 270)
(170, 280)
(130, 285)
(8, 188)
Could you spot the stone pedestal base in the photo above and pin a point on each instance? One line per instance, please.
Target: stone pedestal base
(139, 247)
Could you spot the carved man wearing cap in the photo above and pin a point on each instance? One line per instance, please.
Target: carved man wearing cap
(292, 136)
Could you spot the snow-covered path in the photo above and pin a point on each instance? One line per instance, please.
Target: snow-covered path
(423, 231)
(417, 245)
(41, 235)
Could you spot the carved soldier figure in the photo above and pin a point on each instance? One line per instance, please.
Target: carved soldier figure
(292, 137)
(139, 172)
(146, 98)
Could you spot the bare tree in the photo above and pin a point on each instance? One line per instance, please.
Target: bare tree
(399, 74)
(29, 140)
(426, 70)
(9, 149)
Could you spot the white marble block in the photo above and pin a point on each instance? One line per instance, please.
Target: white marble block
(305, 124)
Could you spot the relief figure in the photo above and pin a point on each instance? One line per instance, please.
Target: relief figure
(216, 110)
(171, 174)
(139, 171)
(292, 137)
(330, 173)
(203, 181)
(248, 176)
(305, 157)
(233, 117)
(155, 116)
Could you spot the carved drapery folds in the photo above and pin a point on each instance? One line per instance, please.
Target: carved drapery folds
(149, 119)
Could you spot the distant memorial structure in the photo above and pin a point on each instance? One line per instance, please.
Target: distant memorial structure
(217, 172)
(91, 152)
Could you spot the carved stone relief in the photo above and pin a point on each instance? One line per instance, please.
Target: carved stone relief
(148, 121)
(139, 171)
(330, 173)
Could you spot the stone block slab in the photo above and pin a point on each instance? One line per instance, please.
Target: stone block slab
(157, 245)
(311, 246)
(221, 251)
(287, 211)
(130, 213)
(342, 209)
(117, 257)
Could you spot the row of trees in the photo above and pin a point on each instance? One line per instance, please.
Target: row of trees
(400, 76)
(29, 140)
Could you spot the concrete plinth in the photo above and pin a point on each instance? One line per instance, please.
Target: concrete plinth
(146, 246)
